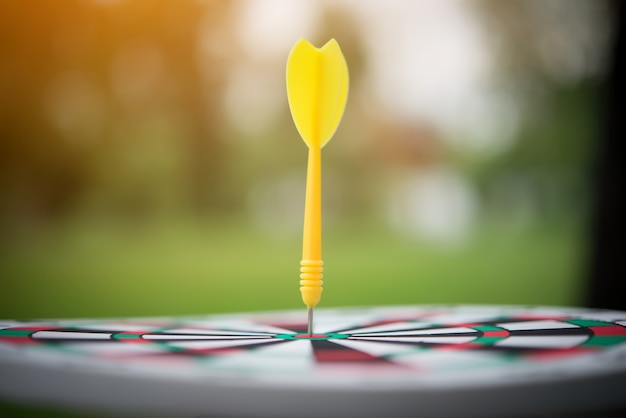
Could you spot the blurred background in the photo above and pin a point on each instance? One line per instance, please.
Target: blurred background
(149, 164)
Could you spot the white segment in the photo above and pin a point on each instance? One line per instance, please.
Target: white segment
(8, 324)
(395, 326)
(201, 337)
(72, 335)
(438, 361)
(333, 320)
(535, 325)
(454, 330)
(376, 348)
(214, 332)
(11, 324)
(117, 327)
(432, 340)
(289, 348)
(465, 317)
(623, 323)
(236, 326)
(321, 326)
(207, 345)
(543, 341)
(249, 326)
(291, 357)
(608, 316)
(597, 314)
(115, 350)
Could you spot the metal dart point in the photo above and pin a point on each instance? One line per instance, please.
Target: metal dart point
(310, 321)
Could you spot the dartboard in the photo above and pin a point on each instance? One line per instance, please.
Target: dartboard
(365, 360)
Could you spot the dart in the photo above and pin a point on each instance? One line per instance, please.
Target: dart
(317, 90)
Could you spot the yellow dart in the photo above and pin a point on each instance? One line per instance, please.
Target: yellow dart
(317, 90)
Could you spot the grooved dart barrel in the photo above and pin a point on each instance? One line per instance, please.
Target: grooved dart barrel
(311, 281)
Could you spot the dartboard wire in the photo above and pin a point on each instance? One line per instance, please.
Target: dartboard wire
(490, 335)
(77, 346)
(239, 339)
(205, 349)
(186, 348)
(387, 327)
(381, 349)
(417, 323)
(201, 348)
(491, 328)
(607, 333)
(245, 326)
(326, 352)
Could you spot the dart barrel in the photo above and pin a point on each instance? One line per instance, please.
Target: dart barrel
(311, 281)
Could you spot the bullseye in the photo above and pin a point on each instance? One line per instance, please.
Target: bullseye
(312, 336)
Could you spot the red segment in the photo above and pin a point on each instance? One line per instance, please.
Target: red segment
(218, 351)
(610, 330)
(464, 346)
(558, 353)
(33, 328)
(19, 340)
(503, 333)
(531, 317)
(138, 340)
(344, 355)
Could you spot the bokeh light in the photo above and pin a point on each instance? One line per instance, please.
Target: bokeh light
(148, 155)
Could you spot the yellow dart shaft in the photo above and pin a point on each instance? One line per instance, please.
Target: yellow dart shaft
(311, 264)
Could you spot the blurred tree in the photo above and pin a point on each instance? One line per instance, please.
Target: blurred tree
(81, 81)
(551, 58)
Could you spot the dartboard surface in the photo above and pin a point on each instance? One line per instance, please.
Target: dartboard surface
(382, 353)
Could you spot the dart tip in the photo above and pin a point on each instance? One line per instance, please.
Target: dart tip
(310, 321)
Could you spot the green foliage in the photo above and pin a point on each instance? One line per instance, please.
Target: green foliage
(188, 269)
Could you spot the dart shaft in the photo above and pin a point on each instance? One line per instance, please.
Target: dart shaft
(312, 234)
(311, 266)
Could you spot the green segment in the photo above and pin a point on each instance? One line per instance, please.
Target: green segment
(168, 347)
(488, 340)
(127, 336)
(588, 323)
(15, 332)
(484, 328)
(333, 336)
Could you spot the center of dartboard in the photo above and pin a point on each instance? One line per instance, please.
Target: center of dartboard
(315, 337)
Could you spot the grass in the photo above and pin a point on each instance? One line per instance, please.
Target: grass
(104, 271)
